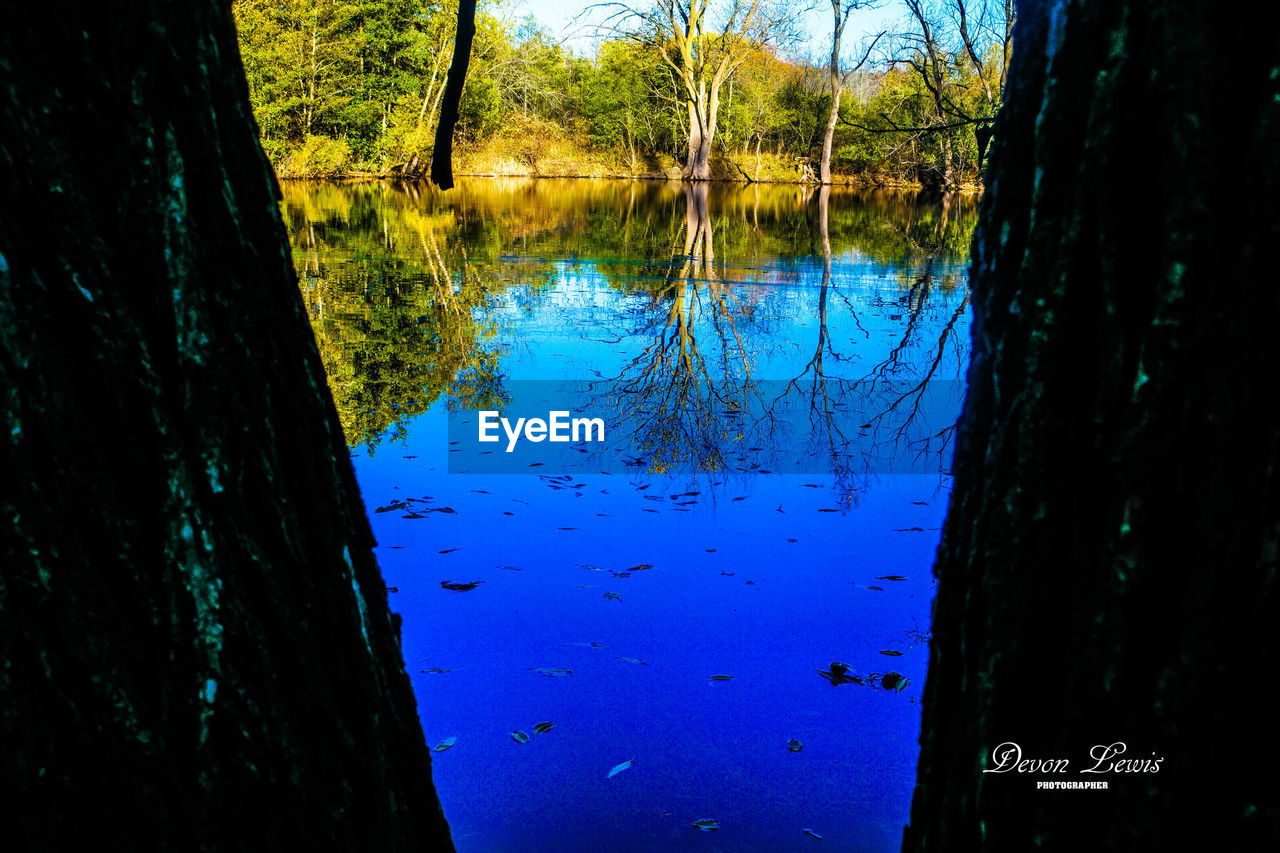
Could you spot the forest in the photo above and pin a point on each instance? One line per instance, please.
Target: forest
(211, 638)
(354, 87)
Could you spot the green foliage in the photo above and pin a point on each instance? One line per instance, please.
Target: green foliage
(368, 75)
(318, 156)
(406, 136)
(480, 112)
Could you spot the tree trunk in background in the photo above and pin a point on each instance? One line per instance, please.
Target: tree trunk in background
(197, 651)
(703, 115)
(442, 152)
(829, 132)
(1108, 566)
(837, 84)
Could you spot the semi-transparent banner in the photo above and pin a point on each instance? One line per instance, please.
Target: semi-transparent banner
(673, 425)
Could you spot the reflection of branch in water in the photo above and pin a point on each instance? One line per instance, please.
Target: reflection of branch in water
(681, 407)
(917, 391)
(824, 413)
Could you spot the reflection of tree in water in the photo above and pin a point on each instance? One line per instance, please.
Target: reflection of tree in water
(685, 410)
(889, 399)
(822, 408)
(400, 282)
(905, 378)
(680, 408)
(392, 303)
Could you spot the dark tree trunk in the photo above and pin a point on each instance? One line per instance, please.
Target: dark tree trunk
(1108, 567)
(442, 153)
(197, 651)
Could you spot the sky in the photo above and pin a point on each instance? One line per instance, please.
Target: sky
(558, 16)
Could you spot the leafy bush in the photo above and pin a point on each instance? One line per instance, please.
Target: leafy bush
(480, 112)
(317, 157)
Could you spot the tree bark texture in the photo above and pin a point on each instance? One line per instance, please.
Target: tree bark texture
(197, 650)
(1108, 566)
(442, 152)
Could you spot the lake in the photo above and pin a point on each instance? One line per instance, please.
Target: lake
(725, 604)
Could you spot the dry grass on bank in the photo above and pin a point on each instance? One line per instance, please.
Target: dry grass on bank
(531, 147)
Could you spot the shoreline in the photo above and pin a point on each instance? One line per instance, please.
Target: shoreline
(842, 181)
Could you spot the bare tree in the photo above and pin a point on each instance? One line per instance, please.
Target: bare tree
(703, 42)
(840, 12)
(951, 48)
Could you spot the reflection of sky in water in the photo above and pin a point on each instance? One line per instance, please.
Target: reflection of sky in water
(749, 578)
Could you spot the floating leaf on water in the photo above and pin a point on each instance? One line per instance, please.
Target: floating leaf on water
(641, 567)
(510, 568)
(706, 824)
(895, 681)
(891, 578)
(460, 587)
(620, 574)
(566, 528)
(876, 588)
(447, 551)
(793, 540)
(618, 768)
(393, 589)
(553, 672)
(437, 669)
(812, 834)
(615, 596)
(445, 744)
(633, 660)
(908, 530)
(720, 677)
(728, 574)
(543, 728)
(812, 485)
(519, 737)
(824, 509)
(794, 745)
(392, 506)
(921, 503)
(743, 498)
(839, 674)
(710, 550)
(891, 653)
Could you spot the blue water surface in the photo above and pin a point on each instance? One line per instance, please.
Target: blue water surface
(643, 583)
